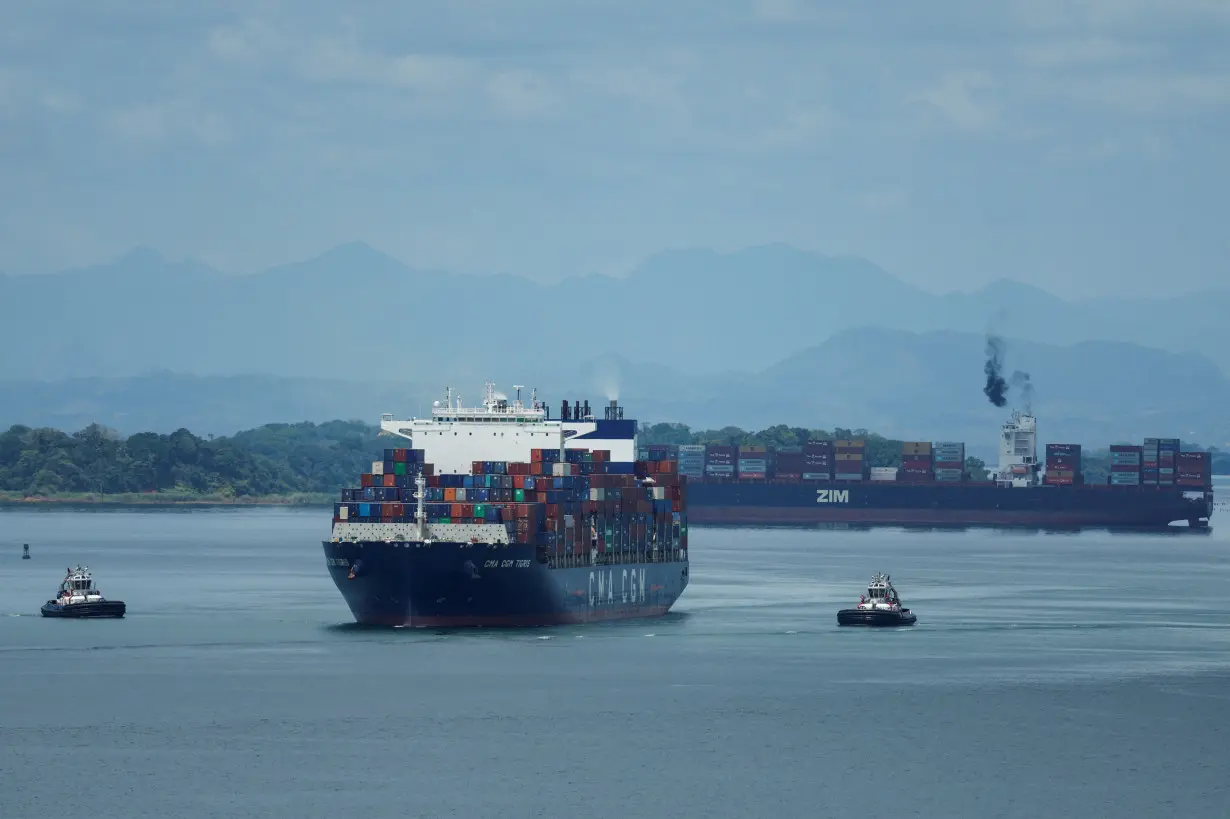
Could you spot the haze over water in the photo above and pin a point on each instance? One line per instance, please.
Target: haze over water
(1049, 675)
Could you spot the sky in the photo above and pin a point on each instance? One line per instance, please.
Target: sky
(1077, 145)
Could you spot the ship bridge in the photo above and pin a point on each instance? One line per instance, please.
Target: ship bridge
(455, 436)
(1018, 451)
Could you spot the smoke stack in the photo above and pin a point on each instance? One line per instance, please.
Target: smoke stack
(585, 414)
(576, 410)
(563, 410)
(611, 410)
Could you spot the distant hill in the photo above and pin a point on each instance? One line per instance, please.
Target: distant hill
(354, 313)
(924, 386)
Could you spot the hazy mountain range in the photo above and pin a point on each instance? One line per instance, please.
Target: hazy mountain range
(765, 335)
(915, 386)
(356, 313)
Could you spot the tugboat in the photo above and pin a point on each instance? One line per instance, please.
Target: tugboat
(880, 606)
(79, 598)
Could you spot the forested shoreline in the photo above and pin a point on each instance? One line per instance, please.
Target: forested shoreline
(300, 463)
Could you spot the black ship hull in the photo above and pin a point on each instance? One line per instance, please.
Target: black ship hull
(106, 608)
(902, 504)
(454, 585)
(865, 617)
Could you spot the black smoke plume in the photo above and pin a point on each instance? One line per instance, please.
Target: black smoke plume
(996, 387)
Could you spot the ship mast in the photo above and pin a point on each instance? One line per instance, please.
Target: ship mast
(420, 485)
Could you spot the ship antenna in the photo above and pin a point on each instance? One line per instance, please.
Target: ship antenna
(419, 485)
(518, 388)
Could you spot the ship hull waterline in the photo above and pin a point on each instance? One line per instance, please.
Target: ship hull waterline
(468, 585)
(79, 611)
(734, 504)
(880, 619)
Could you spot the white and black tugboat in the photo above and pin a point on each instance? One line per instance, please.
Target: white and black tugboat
(79, 598)
(880, 606)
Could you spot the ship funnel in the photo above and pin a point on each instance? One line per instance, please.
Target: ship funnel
(585, 414)
(563, 410)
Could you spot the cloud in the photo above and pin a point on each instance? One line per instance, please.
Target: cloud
(884, 200)
(154, 123)
(1153, 94)
(779, 11)
(631, 125)
(521, 93)
(1081, 52)
(953, 98)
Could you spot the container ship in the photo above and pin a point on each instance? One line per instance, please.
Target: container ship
(499, 515)
(829, 481)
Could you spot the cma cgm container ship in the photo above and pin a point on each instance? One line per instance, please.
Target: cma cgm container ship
(500, 516)
(1148, 486)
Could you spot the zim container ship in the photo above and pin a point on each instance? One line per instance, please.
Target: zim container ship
(500, 516)
(1148, 486)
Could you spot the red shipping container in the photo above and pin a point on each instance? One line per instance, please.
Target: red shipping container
(390, 480)
(365, 480)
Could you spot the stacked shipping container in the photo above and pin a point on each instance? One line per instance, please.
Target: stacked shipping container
(1167, 460)
(1148, 462)
(849, 460)
(916, 463)
(789, 467)
(1063, 464)
(1125, 464)
(561, 505)
(692, 460)
(720, 462)
(753, 463)
(949, 460)
(1195, 470)
(818, 461)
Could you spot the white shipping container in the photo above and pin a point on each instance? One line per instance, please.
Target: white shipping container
(377, 467)
(884, 473)
(697, 448)
(343, 512)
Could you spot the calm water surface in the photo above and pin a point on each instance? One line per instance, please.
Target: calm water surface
(1049, 675)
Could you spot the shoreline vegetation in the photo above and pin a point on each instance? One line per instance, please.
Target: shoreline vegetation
(312, 499)
(304, 464)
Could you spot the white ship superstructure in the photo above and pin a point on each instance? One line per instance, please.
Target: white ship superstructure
(455, 436)
(1018, 451)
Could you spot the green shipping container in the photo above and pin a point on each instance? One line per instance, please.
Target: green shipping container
(519, 495)
(480, 510)
(399, 468)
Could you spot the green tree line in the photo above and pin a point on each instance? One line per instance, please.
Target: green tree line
(286, 459)
(275, 459)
